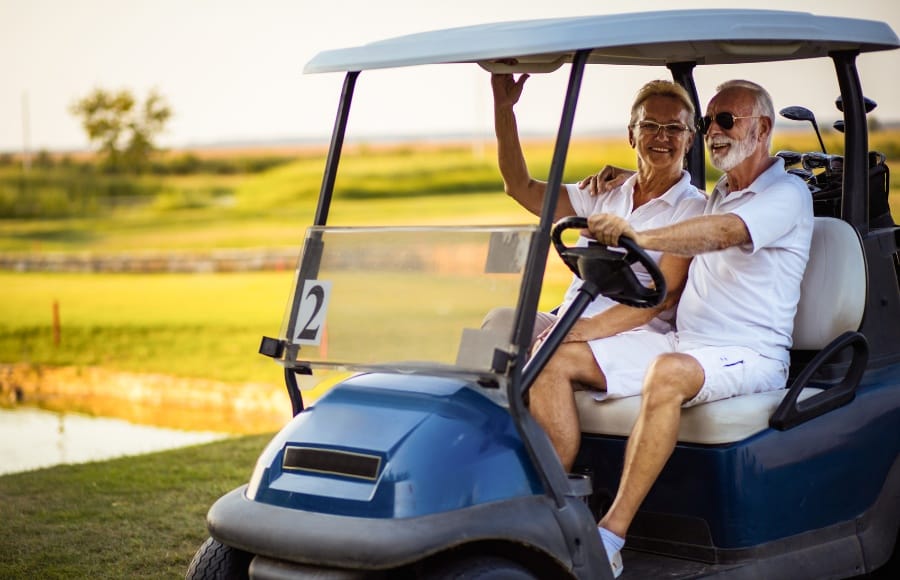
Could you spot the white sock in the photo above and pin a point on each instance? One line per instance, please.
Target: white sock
(611, 542)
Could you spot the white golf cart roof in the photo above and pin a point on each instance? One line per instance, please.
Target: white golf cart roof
(645, 38)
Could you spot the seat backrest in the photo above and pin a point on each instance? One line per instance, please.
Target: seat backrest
(833, 291)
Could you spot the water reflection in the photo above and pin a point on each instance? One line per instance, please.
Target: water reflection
(33, 438)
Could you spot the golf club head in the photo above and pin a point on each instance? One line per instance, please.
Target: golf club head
(797, 113)
(831, 163)
(836, 163)
(790, 157)
(839, 125)
(868, 103)
(814, 160)
(803, 174)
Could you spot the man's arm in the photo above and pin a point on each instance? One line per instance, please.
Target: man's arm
(517, 181)
(690, 237)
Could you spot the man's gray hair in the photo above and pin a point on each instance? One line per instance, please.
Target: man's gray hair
(762, 101)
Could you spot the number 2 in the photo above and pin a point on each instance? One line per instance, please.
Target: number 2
(311, 314)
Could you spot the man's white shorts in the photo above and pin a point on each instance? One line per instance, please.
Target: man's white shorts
(729, 371)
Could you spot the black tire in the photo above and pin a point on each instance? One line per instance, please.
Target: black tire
(481, 568)
(216, 561)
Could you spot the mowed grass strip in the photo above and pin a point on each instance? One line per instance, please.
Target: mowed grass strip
(206, 326)
(388, 184)
(133, 517)
(191, 325)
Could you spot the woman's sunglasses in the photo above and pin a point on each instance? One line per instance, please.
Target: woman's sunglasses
(724, 120)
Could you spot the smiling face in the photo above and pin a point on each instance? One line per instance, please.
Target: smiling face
(729, 148)
(657, 133)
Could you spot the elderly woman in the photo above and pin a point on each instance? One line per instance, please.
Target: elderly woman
(660, 130)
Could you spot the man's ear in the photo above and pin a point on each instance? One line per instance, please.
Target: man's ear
(766, 124)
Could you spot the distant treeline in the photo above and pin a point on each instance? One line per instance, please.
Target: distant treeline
(179, 164)
(57, 186)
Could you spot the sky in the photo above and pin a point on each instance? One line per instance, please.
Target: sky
(232, 70)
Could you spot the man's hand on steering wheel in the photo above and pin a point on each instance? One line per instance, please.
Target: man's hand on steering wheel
(608, 271)
(608, 228)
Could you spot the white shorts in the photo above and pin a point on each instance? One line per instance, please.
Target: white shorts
(735, 370)
(728, 371)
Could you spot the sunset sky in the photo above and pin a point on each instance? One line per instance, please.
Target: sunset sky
(231, 70)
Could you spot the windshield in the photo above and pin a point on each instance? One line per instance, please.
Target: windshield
(404, 298)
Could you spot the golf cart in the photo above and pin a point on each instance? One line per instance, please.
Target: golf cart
(425, 462)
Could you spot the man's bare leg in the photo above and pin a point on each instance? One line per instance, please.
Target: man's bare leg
(552, 398)
(671, 380)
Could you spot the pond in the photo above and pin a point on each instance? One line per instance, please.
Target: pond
(32, 438)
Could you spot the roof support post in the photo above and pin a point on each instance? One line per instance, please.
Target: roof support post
(544, 458)
(683, 74)
(855, 199)
(334, 151)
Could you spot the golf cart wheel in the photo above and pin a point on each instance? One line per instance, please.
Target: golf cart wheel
(217, 561)
(482, 568)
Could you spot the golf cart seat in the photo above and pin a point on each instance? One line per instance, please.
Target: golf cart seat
(832, 301)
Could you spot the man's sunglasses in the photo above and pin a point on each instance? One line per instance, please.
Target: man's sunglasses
(724, 120)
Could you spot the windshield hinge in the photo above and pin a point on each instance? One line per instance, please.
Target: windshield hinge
(501, 361)
(272, 347)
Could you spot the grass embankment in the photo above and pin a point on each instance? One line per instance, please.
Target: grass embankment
(209, 325)
(135, 517)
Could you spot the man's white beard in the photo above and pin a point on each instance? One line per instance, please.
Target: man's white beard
(738, 151)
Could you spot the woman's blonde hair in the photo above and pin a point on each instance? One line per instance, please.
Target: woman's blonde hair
(662, 88)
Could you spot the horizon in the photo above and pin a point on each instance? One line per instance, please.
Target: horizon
(232, 74)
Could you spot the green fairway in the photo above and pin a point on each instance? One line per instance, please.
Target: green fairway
(190, 325)
(209, 326)
(135, 517)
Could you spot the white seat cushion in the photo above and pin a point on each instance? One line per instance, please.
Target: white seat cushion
(722, 421)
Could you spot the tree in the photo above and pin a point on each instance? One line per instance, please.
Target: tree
(124, 131)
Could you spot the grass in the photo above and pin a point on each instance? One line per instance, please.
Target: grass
(390, 185)
(144, 516)
(135, 517)
(210, 325)
(188, 325)
(204, 326)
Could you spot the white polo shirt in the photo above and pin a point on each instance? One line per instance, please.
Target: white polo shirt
(681, 201)
(747, 295)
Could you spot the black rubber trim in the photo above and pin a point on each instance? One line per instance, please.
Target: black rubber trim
(382, 543)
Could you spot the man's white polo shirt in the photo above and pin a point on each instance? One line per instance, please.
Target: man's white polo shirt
(747, 295)
(679, 202)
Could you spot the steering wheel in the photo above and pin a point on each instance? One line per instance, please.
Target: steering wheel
(610, 270)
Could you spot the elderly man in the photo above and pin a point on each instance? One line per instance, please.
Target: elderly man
(735, 316)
